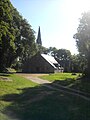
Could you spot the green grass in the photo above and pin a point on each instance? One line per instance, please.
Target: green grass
(51, 105)
(69, 80)
(59, 76)
(14, 86)
(22, 99)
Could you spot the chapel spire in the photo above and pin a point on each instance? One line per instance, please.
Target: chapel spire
(38, 41)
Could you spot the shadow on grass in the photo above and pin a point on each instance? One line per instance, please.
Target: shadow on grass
(5, 74)
(82, 84)
(43, 103)
(66, 82)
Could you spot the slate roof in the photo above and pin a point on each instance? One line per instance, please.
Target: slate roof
(50, 59)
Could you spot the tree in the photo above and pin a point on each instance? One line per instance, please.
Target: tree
(63, 56)
(52, 51)
(25, 40)
(7, 33)
(83, 39)
(77, 63)
(17, 38)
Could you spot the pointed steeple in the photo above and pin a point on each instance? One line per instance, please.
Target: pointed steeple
(38, 41)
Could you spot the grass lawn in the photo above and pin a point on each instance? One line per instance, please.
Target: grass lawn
(69, 80)
(13, 85)
(21, 99)
(59, 76)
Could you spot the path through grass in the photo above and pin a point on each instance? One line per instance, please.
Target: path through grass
(69, 80)
(22, 99)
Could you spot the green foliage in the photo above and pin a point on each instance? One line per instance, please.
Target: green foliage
(83, 39)
(78, 63)
(52, 51)
(16, 36)
(41, 49)
(24, 41)
(63, 57)
(7, 34)
(4, 117)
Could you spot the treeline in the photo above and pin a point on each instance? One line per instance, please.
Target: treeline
(80, 62)
(71, 63)
(17, 42)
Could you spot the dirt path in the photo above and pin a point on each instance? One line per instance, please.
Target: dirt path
(38, 80)
(55, 86)
(34, 78)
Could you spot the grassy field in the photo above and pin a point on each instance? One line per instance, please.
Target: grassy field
(10, 87)
(21, 99)
(69, 80)
(60, 76)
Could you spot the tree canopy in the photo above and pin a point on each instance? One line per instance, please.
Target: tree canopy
(63, 56)
(7, 32)
(83, 39)
(17, 38)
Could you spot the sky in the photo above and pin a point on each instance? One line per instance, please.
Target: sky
(58, 20)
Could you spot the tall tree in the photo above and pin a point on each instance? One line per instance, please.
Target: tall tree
(25, 39)
(16, 36)
(7, 32)
(83, 39)
(63, 56)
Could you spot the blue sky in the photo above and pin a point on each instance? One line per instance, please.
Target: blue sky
(58, 20)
